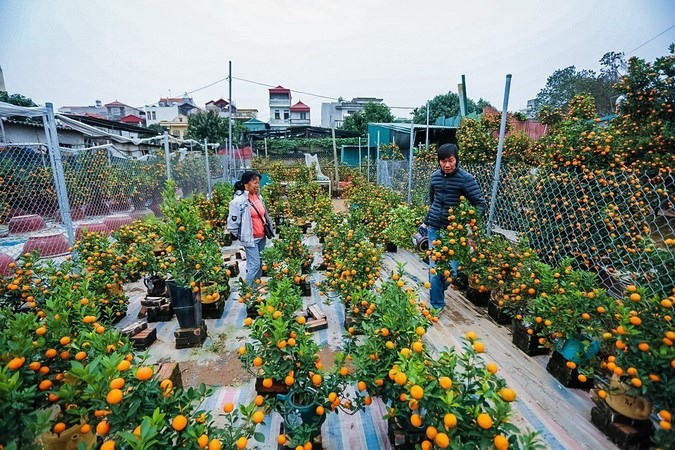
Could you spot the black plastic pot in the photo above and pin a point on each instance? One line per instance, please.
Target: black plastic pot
(155, 285)
(477, 297)
(189, 316)
(180, 296)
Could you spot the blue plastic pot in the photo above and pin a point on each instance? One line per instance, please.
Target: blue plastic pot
(297, 415)
(573, 349)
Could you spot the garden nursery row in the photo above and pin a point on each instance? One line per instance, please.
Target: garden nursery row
(588, 281)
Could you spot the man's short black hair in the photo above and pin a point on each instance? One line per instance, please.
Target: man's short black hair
(446, 151)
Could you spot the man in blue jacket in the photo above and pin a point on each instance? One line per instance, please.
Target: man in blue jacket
(446, 186)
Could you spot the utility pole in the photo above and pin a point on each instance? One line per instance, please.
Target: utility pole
(229, 120)
(426, 145)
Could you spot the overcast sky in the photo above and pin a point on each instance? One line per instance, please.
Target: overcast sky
(73, 52)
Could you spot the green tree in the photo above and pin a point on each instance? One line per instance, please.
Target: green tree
(207, 125)
(16, 99)
(211, 126)
(446, 105)
(372, 113)
(157, 128)
(565, 84)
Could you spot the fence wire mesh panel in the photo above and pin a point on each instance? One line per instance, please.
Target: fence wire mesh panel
(29, 208)
(393, 174)
(102, 182)
(189, 171)
(612, 222)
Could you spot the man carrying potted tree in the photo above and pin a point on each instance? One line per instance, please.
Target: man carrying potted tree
(446, 185)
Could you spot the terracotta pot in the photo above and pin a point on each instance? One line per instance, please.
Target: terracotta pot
(5, 261)
(123, 205)
(116, 289)
(96, 209)
(209, 292)
(76, 213)
(117, 220)
(634, 407)
(139, 214)
(97, 227)
(48, 245)
(68, 440)
(25, 224)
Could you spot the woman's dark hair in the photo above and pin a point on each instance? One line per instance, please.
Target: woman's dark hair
(245, 178)
(447, 150)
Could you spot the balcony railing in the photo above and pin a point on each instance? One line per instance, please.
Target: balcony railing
(280, 102)
(299, 121)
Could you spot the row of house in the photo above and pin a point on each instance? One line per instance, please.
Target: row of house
(172, 113)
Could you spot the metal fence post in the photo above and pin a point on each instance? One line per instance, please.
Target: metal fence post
(166, 155)
(359, 154)
(368, 163)
(208, 168)
(410, 161)
(377, 160)
(500, 148)
(59, 178)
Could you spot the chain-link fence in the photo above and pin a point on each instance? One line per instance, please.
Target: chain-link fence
(612, 222)
(48, 194)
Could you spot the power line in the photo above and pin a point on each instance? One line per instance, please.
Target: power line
(259, 84)
(293, 90)
(642, 45)
(208, 85)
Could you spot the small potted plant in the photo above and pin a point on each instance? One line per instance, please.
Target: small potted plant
(643, 336)
(279, 350)
(192, 255)
(402, 223)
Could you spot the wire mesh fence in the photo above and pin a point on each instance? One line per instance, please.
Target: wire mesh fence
(105, 189)
(612, 222)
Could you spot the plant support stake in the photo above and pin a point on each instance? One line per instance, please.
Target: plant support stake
(500, 148)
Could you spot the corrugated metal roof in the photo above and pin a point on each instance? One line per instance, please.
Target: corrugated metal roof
(405, 127)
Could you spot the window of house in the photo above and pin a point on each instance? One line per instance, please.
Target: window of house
(303, 116)
(286, 115)
(154, 115)
(115, 111)
(276, 114)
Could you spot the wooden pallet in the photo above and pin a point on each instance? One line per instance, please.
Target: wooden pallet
(144, 339)
(316, 319)
(154, 301)
(162, 313)
(134, 328)
(278, 387)
(626, 433)
(169, 371)
(190, 337)
(401, 439)
(233, 267)
(213, 310)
